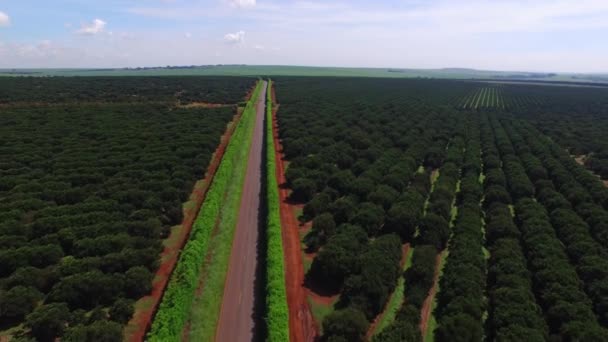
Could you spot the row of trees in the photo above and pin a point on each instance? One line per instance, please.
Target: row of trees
(460, 302)
(40, 90)
(366, 292)
(588, 256)
(433, 233)
(568, 310)
(575, 118)
(353, 161)
(513, 313)
(356, 166)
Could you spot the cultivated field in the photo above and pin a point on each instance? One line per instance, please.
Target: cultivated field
(302, 209)
(464, 175)
(96, 180)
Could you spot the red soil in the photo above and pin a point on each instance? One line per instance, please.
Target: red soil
(302, 326)
(143, 318)
(372, 328)
(427, 307)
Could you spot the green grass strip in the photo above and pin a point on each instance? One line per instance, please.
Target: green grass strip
(277, 313)
(177, 300)
(205, 311)
(396, 301)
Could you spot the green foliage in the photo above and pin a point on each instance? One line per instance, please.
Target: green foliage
(345, 325)
(48, 321)
(131, 89)
(277, 313)
(121, 311)
(369, 289)
(460, 304)
(102, 331)
(18, 302)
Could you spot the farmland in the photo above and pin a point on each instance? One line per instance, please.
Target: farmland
(359, 209)
(507, 228)
(94, 176)
(205, 258)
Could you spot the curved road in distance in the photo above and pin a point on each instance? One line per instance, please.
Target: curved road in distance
(237, 316)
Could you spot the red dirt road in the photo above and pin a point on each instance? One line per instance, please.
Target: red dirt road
(237, 321)
(302, 327)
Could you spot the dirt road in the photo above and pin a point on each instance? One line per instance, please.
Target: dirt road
(237, 320)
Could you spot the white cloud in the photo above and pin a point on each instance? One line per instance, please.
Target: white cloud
(242, 3)
(188, 35)
(4, 19)
(258, 47)
(93, 28)
(42, 49)
(235, 38)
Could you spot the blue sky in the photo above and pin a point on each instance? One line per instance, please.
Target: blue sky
(539, 35)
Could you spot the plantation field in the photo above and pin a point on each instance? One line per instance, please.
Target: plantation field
(428, 209)
(191, 305)
(487, 97)
(312, 71)
(477, 179)
(93, 175)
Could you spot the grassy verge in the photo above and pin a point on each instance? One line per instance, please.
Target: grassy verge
(277, 313)
(397, 299)
(177, 301)
(205, 310)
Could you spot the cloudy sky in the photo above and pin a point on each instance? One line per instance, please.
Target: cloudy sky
(539, 35)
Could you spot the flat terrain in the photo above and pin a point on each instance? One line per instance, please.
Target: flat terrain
(237, 319)
(301, 323)
(508, 201)
(312, 71)
(97, 195)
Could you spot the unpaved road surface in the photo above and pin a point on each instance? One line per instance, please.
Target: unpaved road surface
(237, 319)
